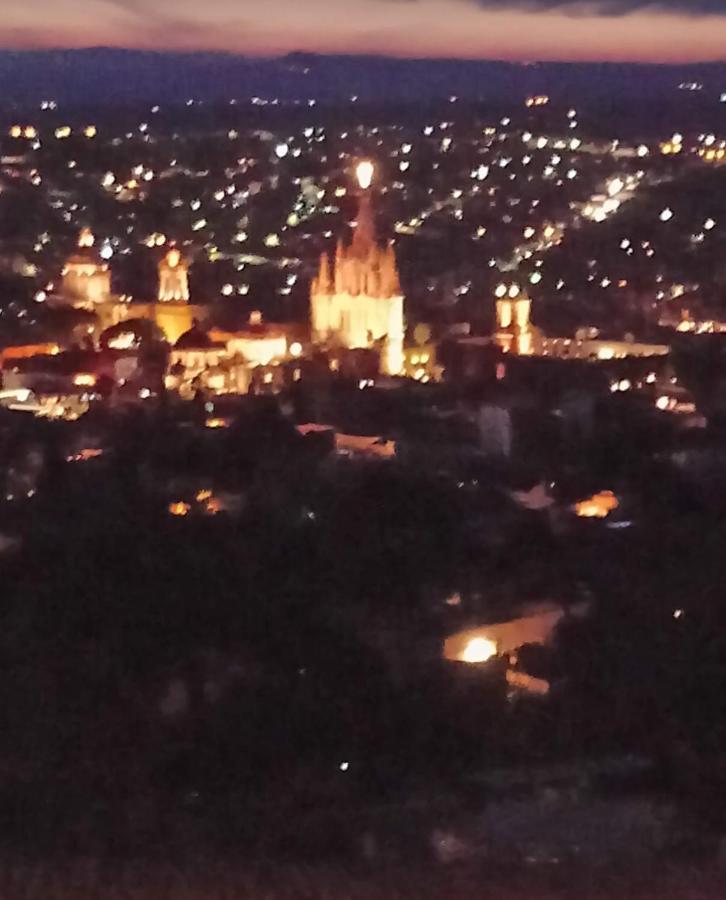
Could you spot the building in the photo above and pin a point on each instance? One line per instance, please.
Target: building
(236, 362)
(197, 361)
(172, 312)
(173, 278)
(260, 344)
(516, 334)
(356, 299)
(86, 277)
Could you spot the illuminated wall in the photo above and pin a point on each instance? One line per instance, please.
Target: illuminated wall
(537, 627)
(174, 319)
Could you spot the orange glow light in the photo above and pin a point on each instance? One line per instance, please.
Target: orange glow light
(599, 506)
(84, 379)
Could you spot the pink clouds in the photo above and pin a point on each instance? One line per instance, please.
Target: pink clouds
(417, 28)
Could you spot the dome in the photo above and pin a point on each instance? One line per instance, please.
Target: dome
(197, 339)
(129, 334)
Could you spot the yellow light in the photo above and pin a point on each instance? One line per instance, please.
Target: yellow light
(479, 650)
(63, 132)
(365, 171)
(173, 258)
(90, 131)
(16, 131)
(124, 341)
(296, 349)
(179, 509)
(84, 379)
(86, 238)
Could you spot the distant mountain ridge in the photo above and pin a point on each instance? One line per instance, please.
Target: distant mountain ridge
(121, 77)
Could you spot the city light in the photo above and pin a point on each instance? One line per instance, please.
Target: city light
(479, 650)
(599, 506)
(365, 171)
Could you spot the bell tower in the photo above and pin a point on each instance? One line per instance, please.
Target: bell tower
(173, 278)
(86, 277)
(514, 327)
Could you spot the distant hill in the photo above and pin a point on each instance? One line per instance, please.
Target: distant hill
(122, 77)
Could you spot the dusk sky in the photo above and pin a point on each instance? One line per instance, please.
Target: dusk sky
(671, 30)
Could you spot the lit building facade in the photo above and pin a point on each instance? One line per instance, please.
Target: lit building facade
(86, 278)
(356, 299)
(259, 344)
(173, 278)
(172, 312)
(515, 333)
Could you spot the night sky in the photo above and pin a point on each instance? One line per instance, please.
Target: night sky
(671, 30)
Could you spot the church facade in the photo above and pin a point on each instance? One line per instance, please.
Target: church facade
(356, 298)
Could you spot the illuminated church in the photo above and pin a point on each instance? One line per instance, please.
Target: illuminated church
(173, 313)
(86, 277)
(515, 333)
(356, 299)
(87, 285)
(173, 278)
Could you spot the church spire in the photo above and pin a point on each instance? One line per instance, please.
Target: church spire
(365, 233)
(364, 239)
(324, 284)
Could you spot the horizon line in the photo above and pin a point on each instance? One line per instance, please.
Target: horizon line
(399, 57)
